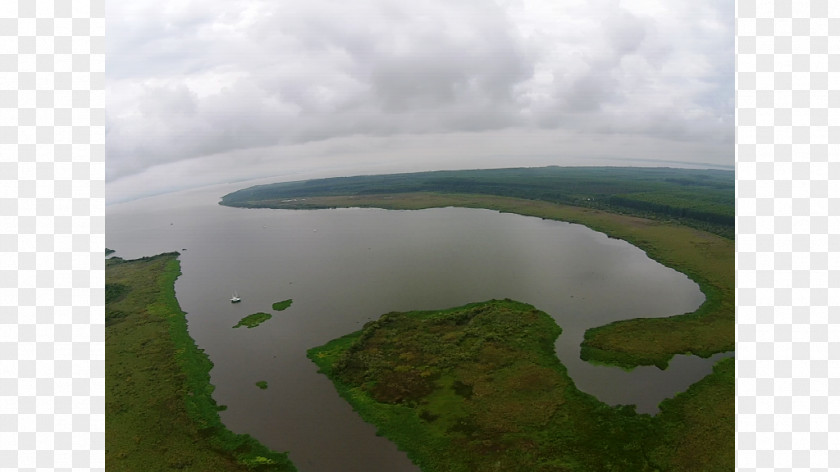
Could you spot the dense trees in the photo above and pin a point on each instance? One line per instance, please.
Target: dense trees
(703, 199)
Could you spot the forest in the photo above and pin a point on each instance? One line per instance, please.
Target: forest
(699, 198)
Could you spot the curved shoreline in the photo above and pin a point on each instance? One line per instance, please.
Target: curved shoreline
(707, 259)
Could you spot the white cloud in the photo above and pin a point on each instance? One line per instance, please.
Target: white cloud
(211, 81)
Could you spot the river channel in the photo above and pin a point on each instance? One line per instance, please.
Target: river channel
(344, 267)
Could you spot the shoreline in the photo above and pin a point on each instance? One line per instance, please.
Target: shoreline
(707, 259)
(158, 390)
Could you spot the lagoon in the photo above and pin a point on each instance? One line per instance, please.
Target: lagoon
(345, 267)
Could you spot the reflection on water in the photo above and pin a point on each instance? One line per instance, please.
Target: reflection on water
(347, 266)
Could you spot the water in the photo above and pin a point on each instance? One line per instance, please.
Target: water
(345, 267)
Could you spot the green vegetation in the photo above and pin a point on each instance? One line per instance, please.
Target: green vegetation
(703, 199)
(280, 306)
(483, 388)
(253, 320)
(159, 411)
(262, 384)
(109, 251)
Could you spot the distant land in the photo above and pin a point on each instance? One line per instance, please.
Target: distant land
(699, 198)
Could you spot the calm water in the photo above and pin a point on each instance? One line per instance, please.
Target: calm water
(347, 266)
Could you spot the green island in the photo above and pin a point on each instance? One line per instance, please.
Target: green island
(253, 320)
(479, 387)
(262, 384)
(280, 306)
(158, 390)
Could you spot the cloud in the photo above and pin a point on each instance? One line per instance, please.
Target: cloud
(194, 79)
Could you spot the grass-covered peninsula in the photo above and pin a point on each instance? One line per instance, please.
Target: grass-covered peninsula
(480, 387)
(253, 320)
(159, 412)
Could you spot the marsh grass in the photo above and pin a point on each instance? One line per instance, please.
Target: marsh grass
(280, 306)
(480, 387)
(253, 320)
(159, 412)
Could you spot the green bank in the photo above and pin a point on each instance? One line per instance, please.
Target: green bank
(480, 387)
(159, 412)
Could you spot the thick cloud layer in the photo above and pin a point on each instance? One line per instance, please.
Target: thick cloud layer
(259, 84)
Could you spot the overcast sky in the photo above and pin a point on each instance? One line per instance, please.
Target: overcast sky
(208, 91)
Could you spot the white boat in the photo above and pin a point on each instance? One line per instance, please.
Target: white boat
(235, 298)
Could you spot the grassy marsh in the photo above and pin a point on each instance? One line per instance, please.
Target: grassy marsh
(159, 409)
(280, 306)
(479, 387)
(253, 320)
